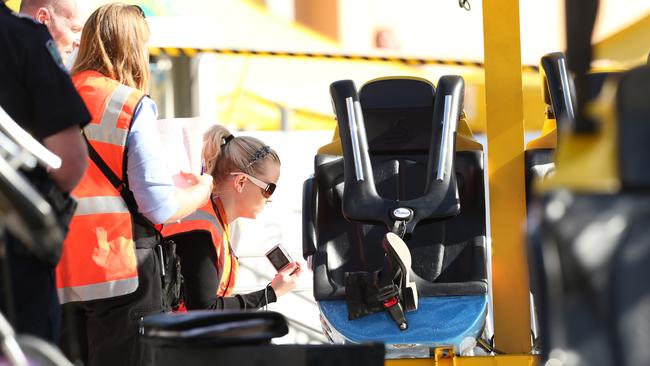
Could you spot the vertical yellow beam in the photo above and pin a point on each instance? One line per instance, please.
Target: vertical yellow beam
(505, 132)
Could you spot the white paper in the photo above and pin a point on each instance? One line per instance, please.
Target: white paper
(182, 141)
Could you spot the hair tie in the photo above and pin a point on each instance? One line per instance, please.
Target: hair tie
(227, 139)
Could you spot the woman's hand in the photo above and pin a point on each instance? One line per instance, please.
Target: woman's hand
(195, 195)
(207, 181)
(285, 280)
(203, 180)
(184, 180)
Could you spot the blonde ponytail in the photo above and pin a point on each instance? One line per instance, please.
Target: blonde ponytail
(213, 140)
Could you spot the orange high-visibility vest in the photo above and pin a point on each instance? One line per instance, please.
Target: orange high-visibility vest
(212, 218)
(98, 259)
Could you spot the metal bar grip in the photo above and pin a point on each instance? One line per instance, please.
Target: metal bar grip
(445, 140)
(354, 136)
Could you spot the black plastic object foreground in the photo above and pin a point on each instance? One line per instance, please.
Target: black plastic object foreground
(588, 258)
(369, 354)
(213, 328)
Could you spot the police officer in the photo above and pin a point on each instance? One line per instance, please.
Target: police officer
(61, 17)
(36, 91)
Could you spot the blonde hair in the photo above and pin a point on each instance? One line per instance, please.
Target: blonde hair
(113, 43)
(223, 153)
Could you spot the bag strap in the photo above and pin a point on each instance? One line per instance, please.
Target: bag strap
(117, 183)
(120, 185)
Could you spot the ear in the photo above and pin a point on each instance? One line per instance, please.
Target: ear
(239, 182)
(43, 16)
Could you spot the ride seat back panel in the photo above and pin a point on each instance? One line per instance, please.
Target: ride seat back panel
(399, 115)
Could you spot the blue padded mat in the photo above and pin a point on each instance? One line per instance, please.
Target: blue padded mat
(445, 320)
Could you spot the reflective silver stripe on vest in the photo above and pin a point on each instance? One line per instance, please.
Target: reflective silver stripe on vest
(107, 131)
(102, 290)
(199, 215)
(100, 205)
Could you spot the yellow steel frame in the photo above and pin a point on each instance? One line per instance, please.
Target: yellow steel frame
(505, 133)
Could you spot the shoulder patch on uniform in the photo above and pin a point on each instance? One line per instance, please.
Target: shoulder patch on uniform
(54, 52)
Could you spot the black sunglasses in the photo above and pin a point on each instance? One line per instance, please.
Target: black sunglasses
(267, 188)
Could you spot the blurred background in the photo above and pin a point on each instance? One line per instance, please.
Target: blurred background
(263, 68)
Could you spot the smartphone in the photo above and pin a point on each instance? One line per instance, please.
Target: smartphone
(279, 257)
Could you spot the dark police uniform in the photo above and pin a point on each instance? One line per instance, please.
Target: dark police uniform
(36, 91)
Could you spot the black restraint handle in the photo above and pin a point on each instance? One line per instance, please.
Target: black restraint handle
(360, 199)
(580, 19)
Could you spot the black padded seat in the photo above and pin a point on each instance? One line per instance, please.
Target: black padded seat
(448, 252)
(590, 268)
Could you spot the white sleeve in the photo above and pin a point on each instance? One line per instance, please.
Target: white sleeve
(148, 176)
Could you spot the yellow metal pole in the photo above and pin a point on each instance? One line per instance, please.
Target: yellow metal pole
(505, 133)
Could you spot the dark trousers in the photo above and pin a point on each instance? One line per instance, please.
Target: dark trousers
(32, 289)
(105, 332)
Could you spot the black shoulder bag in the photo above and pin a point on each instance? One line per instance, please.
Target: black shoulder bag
(164, 249)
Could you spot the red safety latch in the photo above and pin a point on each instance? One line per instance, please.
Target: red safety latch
(390, 302)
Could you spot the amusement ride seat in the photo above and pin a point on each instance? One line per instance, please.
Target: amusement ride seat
(404, 169)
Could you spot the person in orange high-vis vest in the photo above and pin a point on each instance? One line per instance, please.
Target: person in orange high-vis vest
(207, 220)
(109, 276)
(245, 173)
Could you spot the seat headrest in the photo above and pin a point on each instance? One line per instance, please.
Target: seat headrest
(398, 114)
(389, 93)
